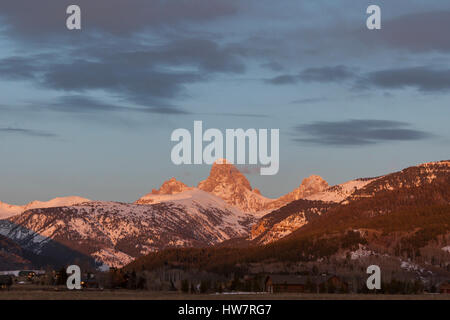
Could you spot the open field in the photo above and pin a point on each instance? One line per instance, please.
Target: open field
(51, 294)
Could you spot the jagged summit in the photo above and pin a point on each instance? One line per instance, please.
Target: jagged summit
(171, 186)
(228, 183)
(166, 192)
(224, 174)
(224, 181)
(224, 206)
(309, 186)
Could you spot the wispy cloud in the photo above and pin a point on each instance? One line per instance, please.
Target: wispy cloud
(238, 115)
(422, 78)
(27, 132)
(324, 74)
(356, 132)
(327, 74)
(85, 104)
(309, 100)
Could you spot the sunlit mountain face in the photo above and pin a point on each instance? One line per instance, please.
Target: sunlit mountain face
(215, 146)
(90, 112)
(217, 212)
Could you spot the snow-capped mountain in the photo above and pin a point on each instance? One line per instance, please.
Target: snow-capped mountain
(282, 222)
(414, 176)
(8, 210)
(224, 206)
(168, 191)
(287, 219)
(340, 192)
(116, 233)
(309, 186)
(228, 183)
(172, 186)
(313, 198)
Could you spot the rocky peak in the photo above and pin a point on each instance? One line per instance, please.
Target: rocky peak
(309, 186)
(171, 186)
(312, 184)
(228, 183)
(222, 176)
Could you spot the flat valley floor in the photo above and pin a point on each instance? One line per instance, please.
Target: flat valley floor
(39, 294)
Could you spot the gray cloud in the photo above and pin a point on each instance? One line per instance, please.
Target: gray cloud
(151, 76)
(327, 74)
(283, 79)
(421, 78)
(81, 104)
(142, 85)
(27, 132)
(321, 74)
(309, 100)
(356, 132)
(84, 104)
(205, 54)
(273, 65)
(238, 115)
(47, 17)
(417, 32)
(18, 68)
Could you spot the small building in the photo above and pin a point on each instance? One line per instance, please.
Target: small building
(284, 283)
(337, 284)
(22, 273)
(301, 284)
(89, 281)
(6, 281)
(444, 287)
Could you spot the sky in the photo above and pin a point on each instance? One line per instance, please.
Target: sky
(90, 112)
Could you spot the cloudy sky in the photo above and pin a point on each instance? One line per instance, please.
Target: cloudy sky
(90, 112)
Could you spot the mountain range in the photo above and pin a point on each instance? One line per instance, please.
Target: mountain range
(221, 209)
(9, 210)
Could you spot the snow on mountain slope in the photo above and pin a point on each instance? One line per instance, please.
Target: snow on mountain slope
(287, 219)
(224, 206)
(116, 233)
(309, 186)
(168, 188)
(228, 183)
(414, 176)
(56, 202)
(8, 210)
(296, 214)
(340, 192)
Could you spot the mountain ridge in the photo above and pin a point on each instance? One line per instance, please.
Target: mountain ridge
(176, 215)
(9, 210)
